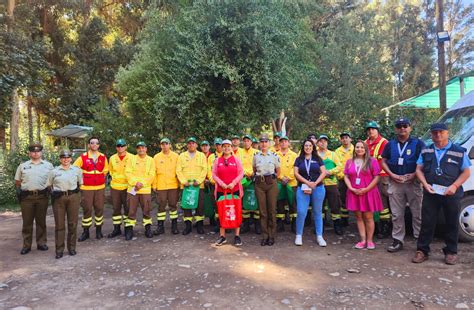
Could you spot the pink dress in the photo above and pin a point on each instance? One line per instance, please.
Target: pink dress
(370, 201)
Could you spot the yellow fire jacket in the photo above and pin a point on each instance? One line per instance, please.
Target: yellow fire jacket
(287, 166)
(117, 171)
(165, 165)
(194, 168)
(140, 170)
(344, 156)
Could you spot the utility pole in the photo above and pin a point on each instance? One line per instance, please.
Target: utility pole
(441, 60)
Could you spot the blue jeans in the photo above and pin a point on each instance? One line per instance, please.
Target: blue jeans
(302, 205)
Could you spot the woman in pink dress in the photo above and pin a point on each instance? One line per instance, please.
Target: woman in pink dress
(361, 175)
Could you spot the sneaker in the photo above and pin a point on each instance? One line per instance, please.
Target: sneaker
(321, 241)
(237, 241)
(360, 245)
(396, 246)
(222, 240)
(370, 246)
(299, 240)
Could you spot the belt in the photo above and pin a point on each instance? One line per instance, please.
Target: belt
(35, 193)
(66, 193)
(264, 178)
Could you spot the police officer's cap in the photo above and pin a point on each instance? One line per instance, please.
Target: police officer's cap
(191, 139)
(247, 137)
(217, 141)
(372, 124)
(263, 137)
(205, 142)
(65, 153)
(323, 137)
(141, 143)
(438, 127)
(165, 140)
(345, 133)
(120, 142)
(35, 147)
(402, 121)
(284, 138)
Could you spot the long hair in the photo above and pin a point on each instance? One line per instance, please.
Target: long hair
(367, 160)
(314, 154)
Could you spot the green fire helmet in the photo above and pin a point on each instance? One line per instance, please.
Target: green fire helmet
(141, 143)
(217, 141)
(372, 124)
(247, 137)
(120, 142)
(165, 140)
(191, 139)
(205, 142)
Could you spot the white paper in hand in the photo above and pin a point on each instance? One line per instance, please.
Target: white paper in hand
(133, 192)
(439, 189)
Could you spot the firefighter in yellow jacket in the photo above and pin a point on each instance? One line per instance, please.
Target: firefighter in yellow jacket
(166, 186)
(118, 186)
(248, 152)
(140, 172)
(286, 177)
(345, 152)
(94, 166)
(191, 170)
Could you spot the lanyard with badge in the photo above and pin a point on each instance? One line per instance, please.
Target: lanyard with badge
(438, 169)
(400, 152)
(358, 168)
(307, 164)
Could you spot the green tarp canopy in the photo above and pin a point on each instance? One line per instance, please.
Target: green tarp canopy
(455, 87)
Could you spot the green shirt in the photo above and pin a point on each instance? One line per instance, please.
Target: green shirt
(33, 177)
(62, 180)
(266, 164)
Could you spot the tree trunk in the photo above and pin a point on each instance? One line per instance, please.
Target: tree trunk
(14, 138)
(2, 138)
(29, 102)
(38, 126)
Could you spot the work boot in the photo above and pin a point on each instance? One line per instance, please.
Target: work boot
(200, 227)
(98, 232)
(116, 232)
(174, 227)
(129, 233)
(338, 227)
(245, 226)
(280, 225)
(188, 229)
(293, 225)
(85, 235)
(258, 227)
(160, 228)
(148, 232)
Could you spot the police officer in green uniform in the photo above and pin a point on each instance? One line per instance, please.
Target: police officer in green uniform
(31, 182)
(64, 182)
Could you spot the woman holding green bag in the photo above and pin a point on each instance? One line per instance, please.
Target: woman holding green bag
(227, 172)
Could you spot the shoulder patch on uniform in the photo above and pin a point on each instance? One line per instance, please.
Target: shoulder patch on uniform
(429, 150)
(456, 154)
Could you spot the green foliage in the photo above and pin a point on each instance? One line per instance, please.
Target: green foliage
(216, 69)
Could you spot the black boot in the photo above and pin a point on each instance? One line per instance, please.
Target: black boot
(85, 235)
(188, 229)
(338, 227)
(148, 232)
(245, 226)
(280, 225)
(160, 228)
(116, 232)
(293, 225)
(200, 227)
(129, 233)
(174, 227)
(98, 232)
(258, 227)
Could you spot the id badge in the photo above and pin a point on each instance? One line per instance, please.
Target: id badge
(357, 181)
(400, 161)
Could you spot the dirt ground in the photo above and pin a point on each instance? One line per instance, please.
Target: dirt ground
(177, 272)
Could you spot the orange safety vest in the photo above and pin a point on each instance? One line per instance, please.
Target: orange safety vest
(92, 172)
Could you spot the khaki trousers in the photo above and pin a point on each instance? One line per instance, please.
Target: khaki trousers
(92, 199)
(119, 203)
(267, 195)
(33, 209)
(66, 206)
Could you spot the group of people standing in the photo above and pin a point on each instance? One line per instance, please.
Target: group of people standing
(376, 179)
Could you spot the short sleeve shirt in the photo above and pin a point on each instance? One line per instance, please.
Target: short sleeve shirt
(265, 164)
(33, 177)
(466, 163)
(65, 179)
(314, 168)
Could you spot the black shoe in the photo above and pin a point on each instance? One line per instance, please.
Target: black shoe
(270, 241)
(280, 225)
(200, 227)
(222, 240)
(188, 229)
(72, 252)
(42, 247)
(98, 232)
(338, 227)
(258, 228)
(160, 228)
(237, 241)
(148, 232)
(84, 236)
(293, 225)
(245, 226)
(395, 247)
(174, 227)
(59, 255)
(128, 233)
(263, 242)
(116, 232)
(25, 251)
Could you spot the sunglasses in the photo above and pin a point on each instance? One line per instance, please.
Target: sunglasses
(120, 145)
(402, 126)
